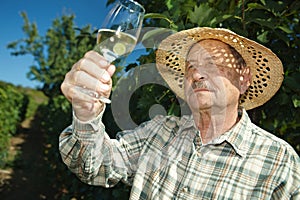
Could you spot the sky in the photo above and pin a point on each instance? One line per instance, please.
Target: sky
(13, 69)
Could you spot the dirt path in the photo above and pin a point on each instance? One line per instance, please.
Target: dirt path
(28, 177)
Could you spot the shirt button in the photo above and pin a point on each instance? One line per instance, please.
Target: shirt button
(185, 189)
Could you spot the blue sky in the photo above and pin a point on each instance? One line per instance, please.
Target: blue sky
(13, 69)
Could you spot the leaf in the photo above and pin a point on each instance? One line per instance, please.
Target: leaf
(263, 37)
(202, 15)
(154, 32)
(252, 6)
(263, 2)
(263, 22)
(219, 19)
(169, 4)
(296, 101)
(155, 35)
(286, 29)
(160, 16)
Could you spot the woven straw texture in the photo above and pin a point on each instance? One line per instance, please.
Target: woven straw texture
(265, 66)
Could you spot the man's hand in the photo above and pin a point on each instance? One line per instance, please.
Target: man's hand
(91, 72)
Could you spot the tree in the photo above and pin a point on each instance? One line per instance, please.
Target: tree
(55, 53)
(274, 24)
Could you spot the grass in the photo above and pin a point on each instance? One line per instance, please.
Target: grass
(36, 98)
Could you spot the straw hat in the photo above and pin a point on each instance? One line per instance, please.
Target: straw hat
(265, 66)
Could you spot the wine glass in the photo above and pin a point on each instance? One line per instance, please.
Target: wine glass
(118, 35)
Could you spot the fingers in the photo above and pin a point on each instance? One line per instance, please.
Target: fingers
(92, 72)
(95, 66)
(99, 82)
(100, 61)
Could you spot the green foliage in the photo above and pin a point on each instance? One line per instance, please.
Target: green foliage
(57, 116)
(13, 106)
(35, 98)
(55, 53)
(274, 24)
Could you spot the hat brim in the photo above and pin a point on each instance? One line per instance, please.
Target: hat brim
(266, 68)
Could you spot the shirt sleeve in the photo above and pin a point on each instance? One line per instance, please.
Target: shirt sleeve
(288, 176)
(96, 159)
(294, 176)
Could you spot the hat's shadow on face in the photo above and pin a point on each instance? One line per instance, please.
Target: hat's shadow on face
(215, 67)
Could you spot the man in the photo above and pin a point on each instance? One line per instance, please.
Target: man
(216, 153)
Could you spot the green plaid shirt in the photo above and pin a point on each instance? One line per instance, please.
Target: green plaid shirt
(164, 159)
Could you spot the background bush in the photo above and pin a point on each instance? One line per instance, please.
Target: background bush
(13, 106)
(274, 24)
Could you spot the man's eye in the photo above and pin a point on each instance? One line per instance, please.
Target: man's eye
(190, 66)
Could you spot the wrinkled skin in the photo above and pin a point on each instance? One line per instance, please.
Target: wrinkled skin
(92, 72)
(214, 81)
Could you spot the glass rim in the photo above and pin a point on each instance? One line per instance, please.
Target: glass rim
(138, 5)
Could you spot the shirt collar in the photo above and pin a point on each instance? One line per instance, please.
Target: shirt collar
(237, 136)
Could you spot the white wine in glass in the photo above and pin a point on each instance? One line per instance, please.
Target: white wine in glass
(118, 36)
(113, 44)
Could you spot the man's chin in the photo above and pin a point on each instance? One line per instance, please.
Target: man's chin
(197, 105)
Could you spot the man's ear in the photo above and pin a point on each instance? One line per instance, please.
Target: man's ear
(245, 81)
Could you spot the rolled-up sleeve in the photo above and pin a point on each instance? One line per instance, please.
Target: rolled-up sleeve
(95, 158)
(88, 152)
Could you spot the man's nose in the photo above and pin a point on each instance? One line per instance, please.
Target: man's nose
(198, 75)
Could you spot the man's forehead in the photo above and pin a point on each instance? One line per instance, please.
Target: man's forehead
(212, 43)
(212, 47)
(218, 51)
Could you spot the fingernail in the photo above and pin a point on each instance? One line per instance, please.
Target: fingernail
(105, 77)
(104, 87)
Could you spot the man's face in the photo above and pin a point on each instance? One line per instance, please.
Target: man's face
(213, 77)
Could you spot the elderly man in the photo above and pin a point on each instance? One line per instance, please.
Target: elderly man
(216, 153)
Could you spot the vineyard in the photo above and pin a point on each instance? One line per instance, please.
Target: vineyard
(22, 144)
(31, 167)
(13, 108)
(31, 120)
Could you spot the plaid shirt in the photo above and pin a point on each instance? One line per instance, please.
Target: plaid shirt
(164, 159)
